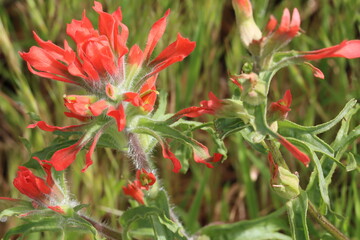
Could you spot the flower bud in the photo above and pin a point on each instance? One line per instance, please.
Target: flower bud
(286, 184)
(249, 31)
(283, 182)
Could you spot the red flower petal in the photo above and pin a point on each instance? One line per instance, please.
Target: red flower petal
(98, 107)
(175, 52)
(109, 25)
(156, 32)
(133, 98)
(135, 192)
(91, 150)
(80, 30)
(166, 152)
(119, 116)
(346, 49)
(44, 126)
(63, 158)
(136, 56)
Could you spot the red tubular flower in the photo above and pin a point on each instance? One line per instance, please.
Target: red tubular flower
(302, 157)
(281, 107)
(346, 49)
(133, 190)
(145, 178)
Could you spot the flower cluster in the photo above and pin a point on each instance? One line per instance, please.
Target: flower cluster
(121, 82)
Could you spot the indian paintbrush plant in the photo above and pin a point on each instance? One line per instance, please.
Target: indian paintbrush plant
(123, 110)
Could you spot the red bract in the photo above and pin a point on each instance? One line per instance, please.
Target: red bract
(281, 107)
(206, 107)
(133, 190)
(346, 49)
(302, 157)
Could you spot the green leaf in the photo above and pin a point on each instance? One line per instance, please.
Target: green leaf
(161, 109)
(352, 163)
(163, 227)
(226, 126)
(26, 143)
(297, 211)
(322, 183)
(40, 226)
(47, 152)
(321, 127)
(263, 228)
(16, 211)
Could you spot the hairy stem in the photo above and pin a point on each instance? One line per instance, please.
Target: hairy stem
(137, 153)
(325, 223)
(104, 230)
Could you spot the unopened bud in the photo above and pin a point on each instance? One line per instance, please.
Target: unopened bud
(286, 184)
(249, 31)
(233, 109)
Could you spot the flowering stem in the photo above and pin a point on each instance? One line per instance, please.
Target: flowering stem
(104, 230)
(325, 223)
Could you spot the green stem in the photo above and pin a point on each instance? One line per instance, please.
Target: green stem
(278, 158)
(325, 223)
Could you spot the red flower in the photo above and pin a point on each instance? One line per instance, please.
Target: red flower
(133, 190)
(145, 179)
(281, 107)
(42, 191)
(346, 49)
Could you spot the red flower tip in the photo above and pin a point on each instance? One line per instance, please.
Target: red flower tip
(156, 32)
(317, 72)
(302, 157)
(244, 6)
(271, 25)
(346, 49)
(57, 209)
(44, 126)
(134, 191)
(145, 178)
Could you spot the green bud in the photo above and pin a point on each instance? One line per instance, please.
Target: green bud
(286, 184)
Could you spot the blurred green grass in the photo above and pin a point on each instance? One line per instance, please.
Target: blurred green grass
(239, 188)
